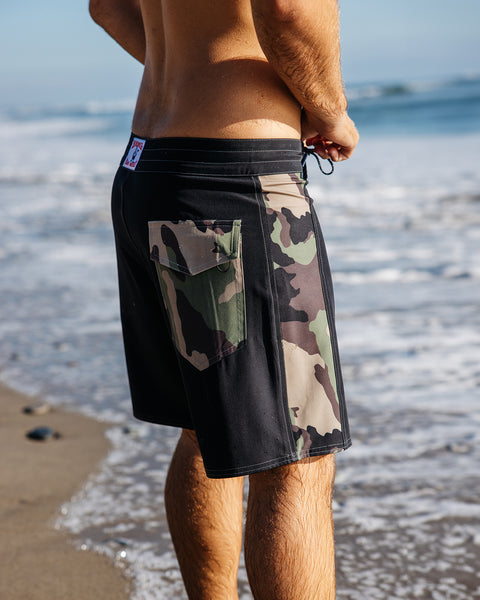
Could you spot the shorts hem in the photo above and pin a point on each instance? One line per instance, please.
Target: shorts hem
(331, 449)
(272, 464)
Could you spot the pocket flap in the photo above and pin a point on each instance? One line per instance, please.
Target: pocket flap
(193, 246)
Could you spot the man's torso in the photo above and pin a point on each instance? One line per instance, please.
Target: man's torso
(206, 75)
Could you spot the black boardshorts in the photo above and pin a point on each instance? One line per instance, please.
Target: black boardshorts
(226, 300)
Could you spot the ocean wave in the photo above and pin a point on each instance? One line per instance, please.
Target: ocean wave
(356, 93)
(67, 174)
(91, 108)
(374, 90)
(53, 125)
(390, 275)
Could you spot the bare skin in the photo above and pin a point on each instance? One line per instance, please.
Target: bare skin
(205, 518)
(238, 69)
(289, 545)
(242, 69)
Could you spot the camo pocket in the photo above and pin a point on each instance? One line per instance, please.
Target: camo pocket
(200, 271)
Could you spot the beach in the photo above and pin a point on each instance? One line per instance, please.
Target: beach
(36, 560)
(401, 221)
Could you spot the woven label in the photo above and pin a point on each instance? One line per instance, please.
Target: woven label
(134, 153)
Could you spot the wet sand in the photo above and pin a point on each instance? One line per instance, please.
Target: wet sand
(38, 562)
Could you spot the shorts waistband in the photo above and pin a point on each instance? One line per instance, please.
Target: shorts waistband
(213, 156)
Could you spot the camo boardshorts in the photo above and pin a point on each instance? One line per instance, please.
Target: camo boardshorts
(226, 300)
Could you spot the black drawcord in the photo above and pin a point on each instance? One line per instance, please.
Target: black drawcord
(308, 151)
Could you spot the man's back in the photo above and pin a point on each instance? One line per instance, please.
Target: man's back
(207, 76)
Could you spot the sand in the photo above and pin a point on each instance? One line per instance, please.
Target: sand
(38, 562)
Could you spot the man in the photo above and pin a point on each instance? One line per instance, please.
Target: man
(226, 298)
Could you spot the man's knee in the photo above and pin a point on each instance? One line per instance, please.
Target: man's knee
(316, 472)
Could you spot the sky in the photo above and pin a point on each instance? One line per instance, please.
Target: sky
(52, 51)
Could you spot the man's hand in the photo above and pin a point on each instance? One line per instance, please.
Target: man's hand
(332, 137)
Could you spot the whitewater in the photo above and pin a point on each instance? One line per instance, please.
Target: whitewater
(402, 226)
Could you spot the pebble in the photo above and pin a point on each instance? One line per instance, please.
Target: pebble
(39, 408)
(42, 434)
(61, 346)
(131, 431)
(458, 447)
(118, 541)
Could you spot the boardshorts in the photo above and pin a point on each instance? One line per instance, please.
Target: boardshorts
(226, 300)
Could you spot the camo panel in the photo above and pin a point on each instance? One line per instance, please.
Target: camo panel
(309, 368)
(200, 271)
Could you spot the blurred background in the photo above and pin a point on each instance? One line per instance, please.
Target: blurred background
(402, 224)
(53, 52)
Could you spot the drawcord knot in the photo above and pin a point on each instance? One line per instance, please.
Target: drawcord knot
(310, 151)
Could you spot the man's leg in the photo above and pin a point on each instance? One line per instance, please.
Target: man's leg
(289, 547)
(205, 520)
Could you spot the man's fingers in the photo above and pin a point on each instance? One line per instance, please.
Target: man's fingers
(327, 149)
(337, 142)
(322, 153)
(321, 150)
(334, 153)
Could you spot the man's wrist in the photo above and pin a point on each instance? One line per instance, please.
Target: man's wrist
(328, 107)
(327, 119)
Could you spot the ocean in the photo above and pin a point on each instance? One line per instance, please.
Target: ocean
(402, 224)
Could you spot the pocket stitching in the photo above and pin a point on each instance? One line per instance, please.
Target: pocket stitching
(239, 291)
(232, 254)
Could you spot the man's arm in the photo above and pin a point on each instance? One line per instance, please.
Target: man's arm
(300, 39)
(122, 20)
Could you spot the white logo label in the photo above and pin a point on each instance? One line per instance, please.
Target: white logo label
(134, 154)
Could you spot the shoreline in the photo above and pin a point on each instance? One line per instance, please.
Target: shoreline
(38, 561)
